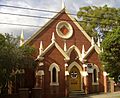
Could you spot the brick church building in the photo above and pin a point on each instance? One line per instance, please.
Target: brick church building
(67, 58)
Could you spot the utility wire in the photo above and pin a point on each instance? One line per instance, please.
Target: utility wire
(32, 16)
(20, 24)
(53, 18)
(26, 15)
(34, 26)
(11, 6)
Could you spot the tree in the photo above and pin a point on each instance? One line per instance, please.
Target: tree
(13, 59)
(98, 21)
(111, 53)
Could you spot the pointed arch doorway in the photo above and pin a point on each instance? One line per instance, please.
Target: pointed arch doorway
(75, 77)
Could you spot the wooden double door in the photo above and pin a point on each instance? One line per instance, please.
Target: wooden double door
(74, 79)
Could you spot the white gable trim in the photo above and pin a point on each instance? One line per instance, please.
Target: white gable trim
(61, 51)
(76, 49)
(89, 51)
(58, 47)
(47, 49)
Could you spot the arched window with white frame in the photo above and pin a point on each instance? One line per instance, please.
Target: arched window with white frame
(95, 74)
(54, 75)
(54, 69)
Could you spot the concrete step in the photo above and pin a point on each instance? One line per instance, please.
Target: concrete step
(75, 94)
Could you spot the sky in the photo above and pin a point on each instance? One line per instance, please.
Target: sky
(50, 5)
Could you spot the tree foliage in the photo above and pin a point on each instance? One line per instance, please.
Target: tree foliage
(13, 58)
(98, 21)
(111, 53)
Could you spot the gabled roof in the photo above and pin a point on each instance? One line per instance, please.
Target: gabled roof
(57, 47)
(72, 19)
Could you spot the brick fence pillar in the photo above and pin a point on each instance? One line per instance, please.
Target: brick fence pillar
(23, 93)
(111, 85)
(36, 93)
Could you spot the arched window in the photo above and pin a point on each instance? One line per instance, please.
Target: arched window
(54, 69)
(95, 76)
(54, 75)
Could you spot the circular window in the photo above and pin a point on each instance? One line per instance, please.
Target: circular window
(74, 75)
(64, 30)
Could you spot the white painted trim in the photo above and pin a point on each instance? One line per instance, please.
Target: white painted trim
(53, 37)
(97, 49)
(105, 74)
(66, 73)
(88, 51)
(76, 49)
(68, 26)
(80, 70)
(62, 51)
(41, 64)
(97, 69)
(41, 48)
(83, 51)
(65, 46)
(54, 65)
(84, 73)
(47, 49)
(58, 47)
(40, 73)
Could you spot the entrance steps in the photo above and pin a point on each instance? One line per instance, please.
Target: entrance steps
(77, 94)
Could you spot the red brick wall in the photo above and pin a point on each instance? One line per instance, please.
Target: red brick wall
(54, 56)
(94, 58)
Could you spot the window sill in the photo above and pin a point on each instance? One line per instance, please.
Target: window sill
(95, 83)
(54, 84)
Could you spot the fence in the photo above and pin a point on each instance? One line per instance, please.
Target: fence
(25, 93)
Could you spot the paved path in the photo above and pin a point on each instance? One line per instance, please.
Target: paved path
(108, 95)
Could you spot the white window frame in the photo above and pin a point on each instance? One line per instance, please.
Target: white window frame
(97, 71)
(54, 65)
